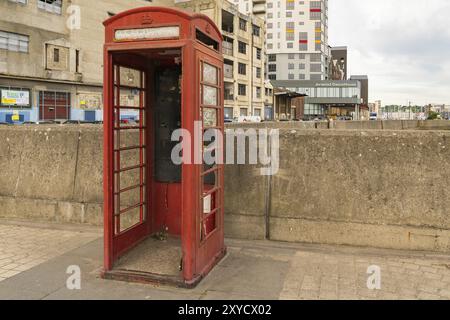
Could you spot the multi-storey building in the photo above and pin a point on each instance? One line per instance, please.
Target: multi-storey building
(243, 51)
(297, 39)
(256, 7)
(51, 57)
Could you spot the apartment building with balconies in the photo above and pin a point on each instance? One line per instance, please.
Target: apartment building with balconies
(244, 56)
(297, 39)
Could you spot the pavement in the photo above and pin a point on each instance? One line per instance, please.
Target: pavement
(35, 257)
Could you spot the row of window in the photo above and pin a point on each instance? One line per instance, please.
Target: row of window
(314, 67)
(242, 91)
(227, 47)
(243, 112)
(53, 6)
(289, 3)
(256, 30)
(301, 76)
(302, 46)
(242, 69)
(14, 42)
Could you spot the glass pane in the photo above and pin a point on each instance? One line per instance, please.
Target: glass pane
(209, 73)
(209, 117)
(130, 77)
(129, 98)
(209, 96)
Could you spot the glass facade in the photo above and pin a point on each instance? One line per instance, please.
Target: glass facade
(330, 92)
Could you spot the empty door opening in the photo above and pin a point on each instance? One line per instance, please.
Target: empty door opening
(147, 95)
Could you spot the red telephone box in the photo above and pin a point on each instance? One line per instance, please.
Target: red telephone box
(163, 71)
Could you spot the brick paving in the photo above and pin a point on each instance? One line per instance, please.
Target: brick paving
(33, 263)
(343, 275)
(23, 247)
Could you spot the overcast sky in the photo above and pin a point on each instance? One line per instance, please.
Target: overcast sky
(402, 45)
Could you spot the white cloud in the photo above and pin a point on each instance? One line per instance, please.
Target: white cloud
(402, 45)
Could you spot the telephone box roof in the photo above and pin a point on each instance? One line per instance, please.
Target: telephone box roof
(183, 14)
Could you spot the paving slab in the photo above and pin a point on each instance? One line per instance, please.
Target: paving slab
(250, 270)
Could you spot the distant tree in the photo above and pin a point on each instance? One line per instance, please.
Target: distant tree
(433, 115)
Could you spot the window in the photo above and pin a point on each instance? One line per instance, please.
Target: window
(291, 66)
(288, 14)
(303, 41)
(301, 66)
(53, 6)
(315, 4)
(228, 112)
(256, 31)
(19, 1)
(316, 57)
(290, 25)
(242, 24)
(242, 89)
(243, 112)
(55, 55)
(14, 42)
(77, 61)
(54, 105)
(272, 57)
(316, 67)
(272, 77)
(242, 68)
(290, 45)
(318, 47)
(229, 91)
(258, 73)
(272, 67)
(302, 56)
(258, 92)
(313, 15)
(242, 47)
(270, 15)
(258, 53)
(291, 56)
(227, 46)
(301, 76)
(270, 36)
(257, 112)
(290, 4)
(291, 76)
(270, 25)
(269, 46)
(269, 5)
(289, 36)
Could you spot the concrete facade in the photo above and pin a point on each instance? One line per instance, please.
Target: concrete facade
(57, 57)
(369, 187)
(245, 88)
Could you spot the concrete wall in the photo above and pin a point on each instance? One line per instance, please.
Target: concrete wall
(378, 188)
